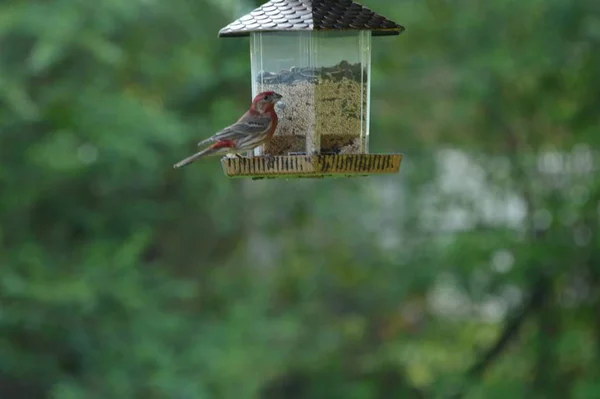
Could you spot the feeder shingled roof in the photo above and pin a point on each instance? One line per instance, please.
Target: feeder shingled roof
(311, 15)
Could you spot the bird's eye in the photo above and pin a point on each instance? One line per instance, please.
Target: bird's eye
(267, 97)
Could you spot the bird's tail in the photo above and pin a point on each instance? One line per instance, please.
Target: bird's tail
(219, 147)
(206, 152)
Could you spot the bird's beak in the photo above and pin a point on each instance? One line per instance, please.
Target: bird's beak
(278, 97)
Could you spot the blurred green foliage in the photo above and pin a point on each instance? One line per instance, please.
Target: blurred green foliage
(475, 273)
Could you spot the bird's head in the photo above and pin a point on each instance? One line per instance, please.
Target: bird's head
(265, 101)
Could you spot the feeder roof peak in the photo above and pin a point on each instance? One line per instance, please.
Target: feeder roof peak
(311, 15)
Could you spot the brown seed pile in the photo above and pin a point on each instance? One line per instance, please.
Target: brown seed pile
(336, 115)
(283, 145)
(298, 116)
(330, 144)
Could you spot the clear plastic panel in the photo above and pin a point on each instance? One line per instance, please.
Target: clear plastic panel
(324, 78)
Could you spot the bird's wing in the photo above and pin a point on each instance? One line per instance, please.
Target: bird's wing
(246, 126)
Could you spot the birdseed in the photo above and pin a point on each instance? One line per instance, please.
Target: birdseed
(330, 144)
(322, 110)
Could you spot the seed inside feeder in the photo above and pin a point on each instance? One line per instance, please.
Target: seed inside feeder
(330, 144)
(323, 108)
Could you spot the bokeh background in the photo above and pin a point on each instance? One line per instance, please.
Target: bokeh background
(474, 273)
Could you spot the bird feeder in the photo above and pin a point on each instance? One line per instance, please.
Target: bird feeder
(317, 54)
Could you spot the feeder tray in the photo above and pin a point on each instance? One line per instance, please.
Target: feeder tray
(291, 166)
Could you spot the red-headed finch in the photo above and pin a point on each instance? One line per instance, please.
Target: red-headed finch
(254, 128)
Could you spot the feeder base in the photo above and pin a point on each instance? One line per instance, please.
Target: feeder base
(290, 166)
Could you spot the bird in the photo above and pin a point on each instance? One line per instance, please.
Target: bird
(253, 129)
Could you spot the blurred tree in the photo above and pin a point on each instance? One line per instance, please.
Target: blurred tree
(475, 273)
